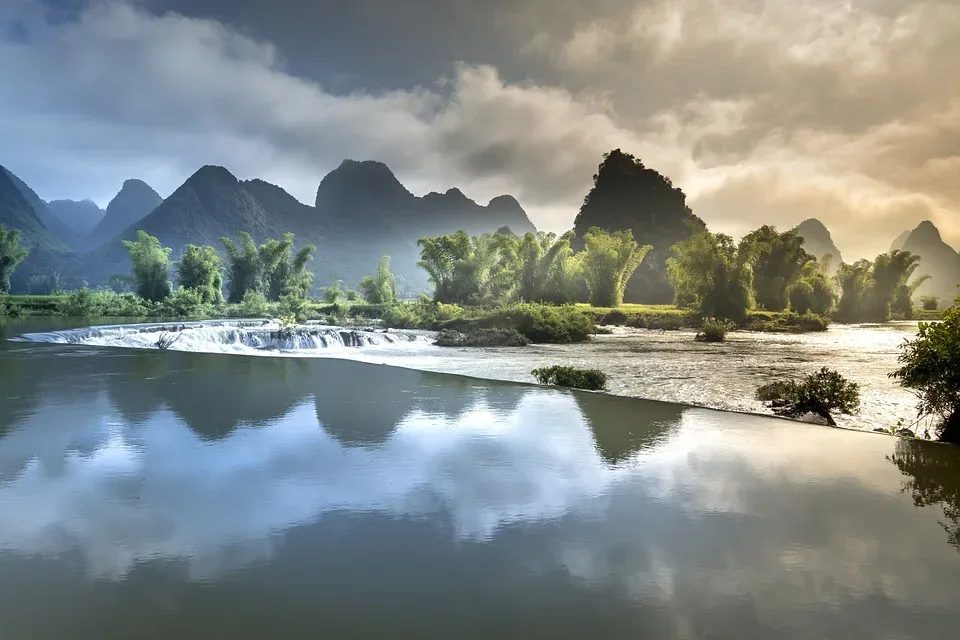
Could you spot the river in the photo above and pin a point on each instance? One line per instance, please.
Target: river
(177, 494)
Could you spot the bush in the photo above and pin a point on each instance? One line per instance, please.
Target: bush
(104, 303)
(931, 369)
(714, 330)
(539, 323)
(820, 393)
(419, 314)
(254, 304)
(185, 303)
(802, 297)
(482, 338)
(590, 379)
(294, 306)
(930, 303)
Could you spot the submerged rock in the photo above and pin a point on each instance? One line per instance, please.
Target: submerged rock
(482, 338)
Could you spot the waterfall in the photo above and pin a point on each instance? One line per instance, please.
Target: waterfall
(223, 336)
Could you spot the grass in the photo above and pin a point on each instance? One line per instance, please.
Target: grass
(928, 315)
(714, 330)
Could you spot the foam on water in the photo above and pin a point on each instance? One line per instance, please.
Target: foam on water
(243, 337)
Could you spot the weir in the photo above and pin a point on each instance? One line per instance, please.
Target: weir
(233, 336)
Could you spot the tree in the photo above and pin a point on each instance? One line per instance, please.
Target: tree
(282, 272)
(813, 292)
(244, 267)
(802, 297)
(151, 267)
(540, 258)
(608, 262)
(855, 282)
(891, 273)
(930, 367)
(713, 275)
(474, 270)
(200, 270)
(11, 255)
(382, 287)
(779, 264)
(627, 195)
(820, 393)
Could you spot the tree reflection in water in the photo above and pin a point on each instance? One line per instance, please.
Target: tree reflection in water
(933, 472)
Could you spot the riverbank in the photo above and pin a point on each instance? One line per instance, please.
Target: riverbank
(540, 323)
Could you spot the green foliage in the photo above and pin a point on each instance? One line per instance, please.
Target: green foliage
(713, 275)
(608, 263)
(121, 283)
(200, 270)
(419, 314)
(820, 393)
(282, 272)
(293, 305)
(482, 338)
(11, 255)
(630, 196)
(254, 305)
(465, 270)
(546, 268)
(243, 266)
(43, 285)
(802, 297)
(539, 323)
(874, 291)
(930, 303)
(151, 267)
(714, 330)
(103, 303)
(778, 265)
(382, 287)
(186, 303)
(590, 379)
(334, 293)
(785, 322)
(930, 367)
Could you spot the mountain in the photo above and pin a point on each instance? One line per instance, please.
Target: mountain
(937, 259)
(900, 241)
(361, 212)
(818, 242)
(134, 201)
(80, 215)
(628, 195)
(48, 253)
(49, 221)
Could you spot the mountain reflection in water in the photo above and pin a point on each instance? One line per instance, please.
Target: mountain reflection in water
(161, 494)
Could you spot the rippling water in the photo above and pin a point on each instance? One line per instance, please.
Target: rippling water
(658, 365)
(149, 494)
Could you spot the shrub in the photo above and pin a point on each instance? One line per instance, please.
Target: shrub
(930, 367)
(294, 306)
(714, 330)
(540, 323)
(419, 314)
(186, 303)
(482, 338)
(103, 303)
(802, 297)
(820, 393)
(930, 303)
(254, 304)
(590, 379)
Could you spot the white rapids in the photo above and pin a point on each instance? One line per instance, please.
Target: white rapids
(236, 336)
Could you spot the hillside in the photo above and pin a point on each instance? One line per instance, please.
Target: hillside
(48, 254)
(132, 203)
(47, 220)
(361, 213)
(628, 195)
(80, 215)
(818, 242)
(937, 259)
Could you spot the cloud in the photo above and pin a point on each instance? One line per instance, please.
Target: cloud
(763, 112)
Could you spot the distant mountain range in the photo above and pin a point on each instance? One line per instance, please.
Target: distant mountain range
(937, 259)
(818, 242)
(361, 213)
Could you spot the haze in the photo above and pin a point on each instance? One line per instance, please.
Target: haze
(763, 111)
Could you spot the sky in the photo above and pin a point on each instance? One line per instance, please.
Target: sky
(762, 111)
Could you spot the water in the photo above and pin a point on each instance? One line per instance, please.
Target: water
(657, 365)
(165, 494)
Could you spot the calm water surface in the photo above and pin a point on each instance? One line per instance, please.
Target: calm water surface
(148, 494)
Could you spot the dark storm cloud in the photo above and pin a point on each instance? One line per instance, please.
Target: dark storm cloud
(764, 111)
